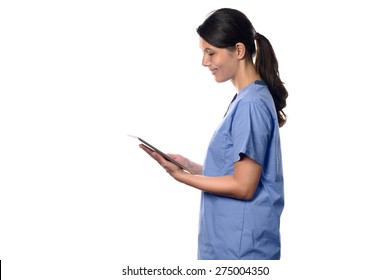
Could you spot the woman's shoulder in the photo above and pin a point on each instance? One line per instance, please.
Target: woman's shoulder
(256, 92)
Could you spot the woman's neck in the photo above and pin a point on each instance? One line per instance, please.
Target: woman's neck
(245, 75)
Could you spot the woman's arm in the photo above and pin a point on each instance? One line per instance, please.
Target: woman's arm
(241, 185)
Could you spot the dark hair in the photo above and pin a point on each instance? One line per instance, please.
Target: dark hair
(226, 27)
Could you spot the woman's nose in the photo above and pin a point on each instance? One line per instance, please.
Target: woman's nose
(205, 61)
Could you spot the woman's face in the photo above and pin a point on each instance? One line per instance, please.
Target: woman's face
(222, 63)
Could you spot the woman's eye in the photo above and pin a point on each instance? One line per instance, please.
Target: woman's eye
(209, 52)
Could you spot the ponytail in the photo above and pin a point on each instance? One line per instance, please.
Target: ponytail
(267, 66)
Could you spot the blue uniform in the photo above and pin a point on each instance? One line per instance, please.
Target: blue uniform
(230, 228)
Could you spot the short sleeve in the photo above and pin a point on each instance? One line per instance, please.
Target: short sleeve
(251, 131)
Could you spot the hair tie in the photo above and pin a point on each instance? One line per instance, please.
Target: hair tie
(257, 36)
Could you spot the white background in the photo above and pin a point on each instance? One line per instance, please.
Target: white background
(80, 200)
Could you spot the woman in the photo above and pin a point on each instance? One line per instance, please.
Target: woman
(242, 177)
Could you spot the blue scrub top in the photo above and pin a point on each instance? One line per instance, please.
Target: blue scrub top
(230, 228)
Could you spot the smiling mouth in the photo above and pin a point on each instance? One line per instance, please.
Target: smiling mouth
(213, 71)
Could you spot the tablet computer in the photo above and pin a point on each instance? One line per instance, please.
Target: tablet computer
(168, 158)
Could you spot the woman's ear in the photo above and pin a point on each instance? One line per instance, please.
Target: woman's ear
(240, 50)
